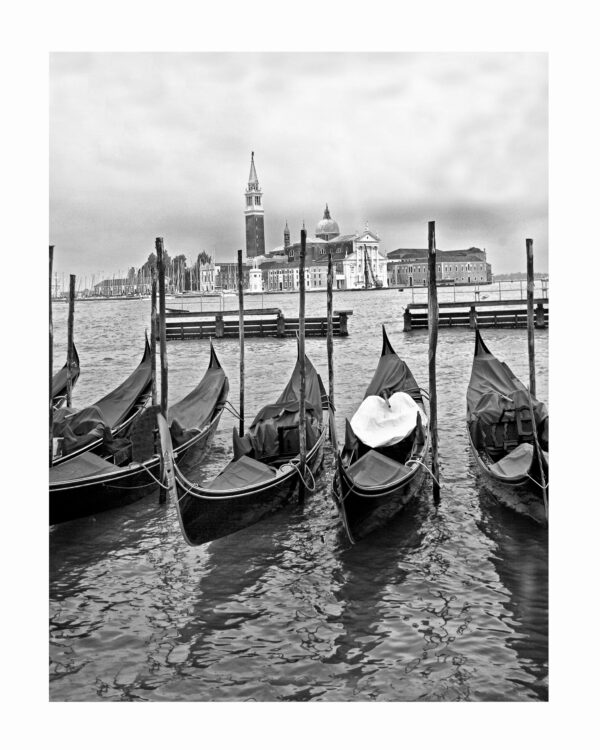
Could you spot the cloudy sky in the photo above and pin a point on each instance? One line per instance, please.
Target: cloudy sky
(158, 144)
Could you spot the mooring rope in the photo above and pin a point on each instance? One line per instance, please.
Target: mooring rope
(418, 461)
(307, 468)
(158, 482)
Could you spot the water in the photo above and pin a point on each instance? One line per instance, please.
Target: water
(445, 604)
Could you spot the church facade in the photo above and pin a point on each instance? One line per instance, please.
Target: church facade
(358, 261)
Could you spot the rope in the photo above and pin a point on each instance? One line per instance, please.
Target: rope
(541, 486)
(232, 410)
(158, 482)
(417, 461)
(307, 468)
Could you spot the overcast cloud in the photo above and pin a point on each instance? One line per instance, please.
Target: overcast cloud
(146, 145)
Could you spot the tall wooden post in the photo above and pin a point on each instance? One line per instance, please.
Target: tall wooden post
(530, 321)
(241, 337)
(153, 333)
(70, 351)
(164, 367)
(301, 341)
(332, 430)
(433, 312)
(50, 347)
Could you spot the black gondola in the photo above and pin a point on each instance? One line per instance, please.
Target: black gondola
(91, 428)
(377, 475)
(59, 380)
(510, 453)
(91, 483)
(264, 473)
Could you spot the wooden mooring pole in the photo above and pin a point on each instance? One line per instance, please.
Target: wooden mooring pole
(241, 337)
(164, 367)
(332, 430)
(50, 352)
(70, 351)
(530, 320)
(301, 342)
(433, 312)
(153, 333)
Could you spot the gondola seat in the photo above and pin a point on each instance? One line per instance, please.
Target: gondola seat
(244, 472)
(373, 469)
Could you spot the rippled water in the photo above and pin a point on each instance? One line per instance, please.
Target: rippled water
(446, 603)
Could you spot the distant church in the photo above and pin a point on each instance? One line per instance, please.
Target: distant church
(255, 216)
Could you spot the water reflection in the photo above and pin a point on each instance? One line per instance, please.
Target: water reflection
(520, 557)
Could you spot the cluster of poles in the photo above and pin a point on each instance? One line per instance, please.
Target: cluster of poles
(158, 333)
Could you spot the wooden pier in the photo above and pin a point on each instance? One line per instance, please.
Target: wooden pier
(183, 325)
(476, 313)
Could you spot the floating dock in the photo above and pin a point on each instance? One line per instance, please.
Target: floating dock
(183, 325)
(482, 314)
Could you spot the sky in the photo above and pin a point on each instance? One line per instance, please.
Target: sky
(158, 144)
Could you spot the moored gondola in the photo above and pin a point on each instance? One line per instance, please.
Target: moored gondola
(264, 473)
(508, 435)
(93, 427)
(59, 380)
(91, 483)
(382, 464)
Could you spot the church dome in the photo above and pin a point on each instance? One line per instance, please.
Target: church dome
(327, 228)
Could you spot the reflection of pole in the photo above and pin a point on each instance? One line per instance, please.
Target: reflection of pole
(70, 352)
(530, 323)
(301, 334)
(241, 336)
(432, 308)
(50, 347)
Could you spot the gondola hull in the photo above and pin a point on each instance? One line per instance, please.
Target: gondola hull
(363, 509)
(95, 494)
(206, 515)
(521, 494)
(91, 495)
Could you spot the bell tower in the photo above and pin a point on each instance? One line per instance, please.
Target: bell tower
(254, 215)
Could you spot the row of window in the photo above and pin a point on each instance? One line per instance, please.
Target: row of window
(256, 200)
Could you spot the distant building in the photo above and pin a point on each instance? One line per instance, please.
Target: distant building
(410, 267)
(254, 215)
(358, 261)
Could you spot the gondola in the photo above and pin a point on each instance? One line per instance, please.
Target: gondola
(383, 462)
(510, 448)
(59, 380)
(91, 428)
(264, 473)
(91, 483)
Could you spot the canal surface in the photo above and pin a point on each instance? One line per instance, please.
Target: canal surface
(444, 604)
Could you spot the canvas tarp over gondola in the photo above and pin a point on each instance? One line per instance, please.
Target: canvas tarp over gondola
(95, 425)
(509, 447)
(263, 474)
(59, 379)
(381, 468)
(88, 483)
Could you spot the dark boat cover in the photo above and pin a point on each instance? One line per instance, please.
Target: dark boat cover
(392, 375)
(82, 427)
(59, 379)
(242, 473)
(195, 410)
(494, 392)
(272, 431)
(115, 405)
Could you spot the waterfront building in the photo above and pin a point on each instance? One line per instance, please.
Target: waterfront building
(359, 263)
(254, 216)
(409, 267)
